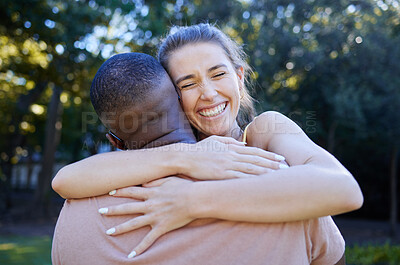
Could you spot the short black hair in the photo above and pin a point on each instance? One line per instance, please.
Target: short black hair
(125, 80)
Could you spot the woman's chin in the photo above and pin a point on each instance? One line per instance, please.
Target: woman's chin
(221, 129)
(218, 132)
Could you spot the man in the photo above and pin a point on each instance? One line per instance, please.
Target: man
(137, 92)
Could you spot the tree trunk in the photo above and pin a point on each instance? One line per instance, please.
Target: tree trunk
(29, 172)
(5, 187)
(393, 191)
(15, 139)
(17, 177)
(52, 138)
(331, 137)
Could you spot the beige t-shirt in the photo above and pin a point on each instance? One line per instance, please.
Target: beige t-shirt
(80, 239)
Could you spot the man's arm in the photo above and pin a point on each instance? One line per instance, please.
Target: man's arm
(342, 261)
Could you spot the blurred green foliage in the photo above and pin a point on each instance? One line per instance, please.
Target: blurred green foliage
(332, 66)
(18, 250)
(387, 254)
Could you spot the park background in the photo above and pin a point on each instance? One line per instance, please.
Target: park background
(332, 66)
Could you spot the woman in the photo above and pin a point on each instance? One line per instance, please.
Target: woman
(210, 72)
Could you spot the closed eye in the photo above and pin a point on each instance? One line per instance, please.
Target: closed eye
(219, 74)
(187, 85)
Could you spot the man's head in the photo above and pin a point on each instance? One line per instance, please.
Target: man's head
(135, 98)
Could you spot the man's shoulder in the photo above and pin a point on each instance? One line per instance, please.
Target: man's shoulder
(80, 233)
(327, 243)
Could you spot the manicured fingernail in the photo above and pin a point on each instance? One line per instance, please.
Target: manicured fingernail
(282, 166)
(279, 157)
(103, 210)
(110, 231)
(132, 254)
(112, 192)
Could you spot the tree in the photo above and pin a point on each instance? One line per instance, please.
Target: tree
(338, 61)
(329, 65)
(40, 52)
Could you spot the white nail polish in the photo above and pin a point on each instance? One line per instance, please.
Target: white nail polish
(132, 254)
(112, 192)
(279, 157)
(103, 210)
(110, 231)
(282, 166)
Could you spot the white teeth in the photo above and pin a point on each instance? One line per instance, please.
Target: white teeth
(214, 111)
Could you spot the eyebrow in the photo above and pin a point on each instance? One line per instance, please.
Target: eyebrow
(217, 66)
(192, 76)
(184, 78)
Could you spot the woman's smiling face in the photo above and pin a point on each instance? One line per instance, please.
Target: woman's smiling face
(210, 88)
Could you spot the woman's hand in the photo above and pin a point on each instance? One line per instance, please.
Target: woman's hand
(220, 157)
(163, 208)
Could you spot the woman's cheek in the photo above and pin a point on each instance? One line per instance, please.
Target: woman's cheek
(188, 100)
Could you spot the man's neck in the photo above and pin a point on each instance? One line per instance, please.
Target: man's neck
(179, 130)
(179, 135)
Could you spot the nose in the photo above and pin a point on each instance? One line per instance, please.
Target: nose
(208, 92)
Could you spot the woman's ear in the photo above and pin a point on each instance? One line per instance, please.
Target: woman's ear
(240, 74)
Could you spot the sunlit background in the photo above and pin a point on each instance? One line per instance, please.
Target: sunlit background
(332, 66)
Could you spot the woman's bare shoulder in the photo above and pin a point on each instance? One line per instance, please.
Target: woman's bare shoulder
(268, 125)
(271, 122)
(260, 129)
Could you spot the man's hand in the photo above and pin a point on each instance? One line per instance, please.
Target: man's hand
(163, 208)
